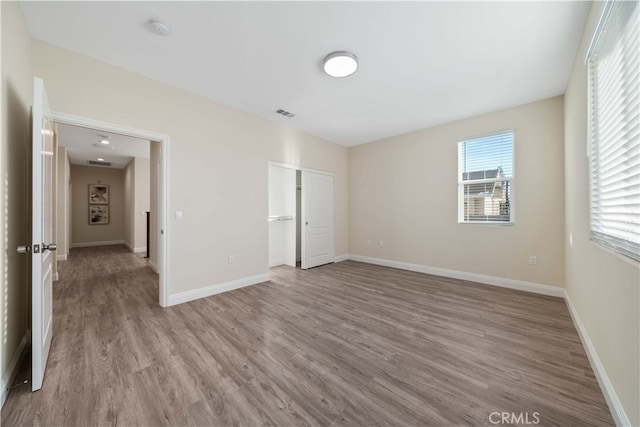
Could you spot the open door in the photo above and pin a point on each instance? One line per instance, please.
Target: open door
(41, 248)
(282, 216)
(317, 214)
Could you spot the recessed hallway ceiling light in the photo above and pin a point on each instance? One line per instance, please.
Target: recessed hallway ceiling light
(340, 64)
(100, 159)
(159, 27)
(104, 140)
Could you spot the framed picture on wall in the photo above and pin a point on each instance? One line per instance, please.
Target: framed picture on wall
(98, 194)
(98, 214)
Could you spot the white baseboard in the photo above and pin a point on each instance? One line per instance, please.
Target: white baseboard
(135, 250)
(463, 275)
(104, 243)
(56, 277)
(615, 406)
(62, 257)
(339, 258)
(216, 289)
(9, 376)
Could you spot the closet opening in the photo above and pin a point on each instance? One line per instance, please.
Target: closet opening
(300, 216)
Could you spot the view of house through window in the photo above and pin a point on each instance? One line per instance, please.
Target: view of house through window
(485, 175)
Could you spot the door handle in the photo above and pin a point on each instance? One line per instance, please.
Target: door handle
(49, 247)
(23, 249)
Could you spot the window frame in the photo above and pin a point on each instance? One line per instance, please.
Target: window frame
(511, 179)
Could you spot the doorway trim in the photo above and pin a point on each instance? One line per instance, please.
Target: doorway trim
(163, 211)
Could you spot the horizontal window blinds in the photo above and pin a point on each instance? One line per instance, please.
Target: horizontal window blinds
(485, 178)
(614, 87)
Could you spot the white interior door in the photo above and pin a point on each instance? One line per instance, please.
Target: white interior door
(317, 214)
(42, 234)
(282, 216)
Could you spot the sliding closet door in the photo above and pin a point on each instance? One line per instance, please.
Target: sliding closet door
(317, 214)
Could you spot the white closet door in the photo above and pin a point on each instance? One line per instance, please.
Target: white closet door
(317, 214)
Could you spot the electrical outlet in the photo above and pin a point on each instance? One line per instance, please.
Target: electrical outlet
(231, 259)
(533, 260)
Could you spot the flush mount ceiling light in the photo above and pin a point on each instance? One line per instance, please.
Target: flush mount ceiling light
(104, 140)
(159, 27)
(340, 64)
(100, 159)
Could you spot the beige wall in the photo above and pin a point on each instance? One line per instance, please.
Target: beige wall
(403, 191)
(17, 95)
(63, 230)
(602, 286)
(141, 202)
(218, 163)
(82, 232)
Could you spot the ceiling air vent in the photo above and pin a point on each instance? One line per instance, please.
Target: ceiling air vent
(285, 113)
(97, 163)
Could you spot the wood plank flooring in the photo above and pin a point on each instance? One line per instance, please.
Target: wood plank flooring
(347, 344)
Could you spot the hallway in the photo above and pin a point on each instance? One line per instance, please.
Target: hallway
(102, 304)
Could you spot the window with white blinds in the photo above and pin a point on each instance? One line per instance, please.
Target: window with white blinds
(485, 179)
(614, 88)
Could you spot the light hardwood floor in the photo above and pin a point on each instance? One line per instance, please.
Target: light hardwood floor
(345, 344)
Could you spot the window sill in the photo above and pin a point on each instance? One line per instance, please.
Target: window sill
(620, 255)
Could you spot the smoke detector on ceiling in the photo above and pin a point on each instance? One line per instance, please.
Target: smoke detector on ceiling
(159, 27)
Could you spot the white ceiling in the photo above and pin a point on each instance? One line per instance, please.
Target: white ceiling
(83, 144)
(421, 63)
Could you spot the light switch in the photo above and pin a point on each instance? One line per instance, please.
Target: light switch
(179, 216)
